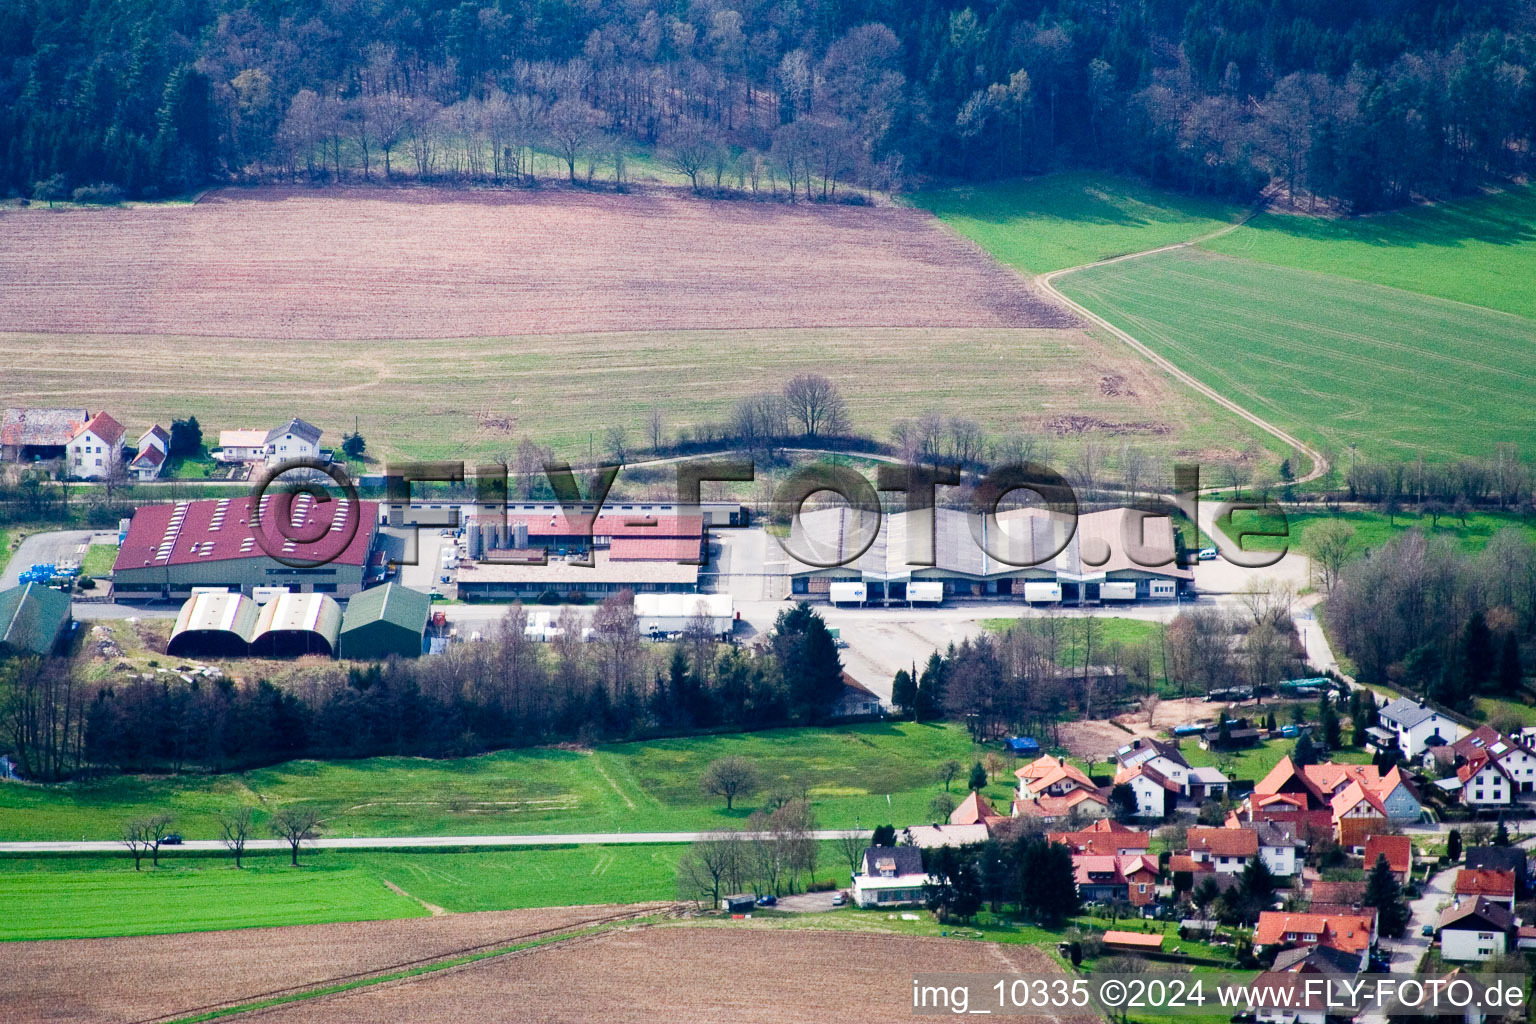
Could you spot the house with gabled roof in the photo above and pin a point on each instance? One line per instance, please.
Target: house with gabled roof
(1156, 794)
(1078, 805)
(38, 435)
(154, 449)
(1488, 768)
(296, 439)
(1103, 837)
(1415, 725)
(1398, 850)
(975, 809)
(1225, 850)
(1489, 883)
(1353, 933)
(892, 876)
(1051, 776)
(1164, 758)
(1476, 929)
(1105, 878)
(95, 451)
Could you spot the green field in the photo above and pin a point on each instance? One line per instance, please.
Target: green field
(1066, 220)
(867, 774)
(78, 897)
(1330, 359)
(1373, 529)
(98, 560)
(1114, 630)
(1481, 251)
(1255, 762)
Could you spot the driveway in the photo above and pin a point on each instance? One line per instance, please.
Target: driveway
(808, 902)
(54, 546)
(1403, 955)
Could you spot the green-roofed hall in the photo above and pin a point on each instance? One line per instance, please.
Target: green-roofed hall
(385, 620)
(32, 619)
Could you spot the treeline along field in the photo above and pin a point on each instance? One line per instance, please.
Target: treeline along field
(1364, 106)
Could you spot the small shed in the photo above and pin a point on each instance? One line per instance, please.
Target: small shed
(741, 903)
(1022, 746)
(1136, 942)
(384, 621)
(32, 620)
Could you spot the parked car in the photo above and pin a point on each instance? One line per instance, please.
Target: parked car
(767, 901)
(840, 900)
(174, 839)
(1428, 931)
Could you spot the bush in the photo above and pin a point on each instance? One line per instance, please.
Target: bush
(549, 597)
(102, 193)
(825, 885)
(86, 583)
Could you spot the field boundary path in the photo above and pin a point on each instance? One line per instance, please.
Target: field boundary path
(1046, 283)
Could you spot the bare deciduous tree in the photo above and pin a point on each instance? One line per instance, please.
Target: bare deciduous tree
(730, 777)
(816, 405)
(235, 830)
(296, 824)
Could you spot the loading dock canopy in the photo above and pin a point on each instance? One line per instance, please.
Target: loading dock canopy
(1042, 591)
(925, 593)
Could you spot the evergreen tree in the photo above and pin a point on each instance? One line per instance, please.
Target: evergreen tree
(1332, 737)
(1305, 751)
(930, 689)
(1477, 655)
(978, 776)
(884, 835)
(1047, 883)
(1269, 722)
(808, 661)
(1501, 834)
(1453, 845)
(904, 692)
(1383, 892)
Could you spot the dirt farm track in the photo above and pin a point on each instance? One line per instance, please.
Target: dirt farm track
(660, 973)
(379, 263)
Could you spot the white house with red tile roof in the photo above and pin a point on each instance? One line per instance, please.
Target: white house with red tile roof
(1223, 850)
(96, 449)
(1491, 884)
(975, 809)
(1156, 794)
(1353, 933)
(1397, 849)
(154, 449)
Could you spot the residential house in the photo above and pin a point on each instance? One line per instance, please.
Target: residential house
(975, 809)
(1104, 837)
(295, 439)
(856, 701)
(1288, 997)
(1156, 794)
(1279, 848)
(1399, 853)
(1163, 758)
(1502, 858)
(892, 876)
(1488, 883)
(1078, 805)
(241, 446)
(1515, 755)
(1315, 960)
(96, 449)
(1051, 776)
(1486, 768)
(1226, 850)
(38, 435)
(1108, 878)
(1415, 725)
(154, 448)
(1206, 783)
(1352, 933)
(1475, 929)
(927, 837)
(1351, 799)
(1336, 897)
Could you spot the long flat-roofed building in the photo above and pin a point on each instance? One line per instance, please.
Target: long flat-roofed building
(565, 579)
(1025, 554)
(171, 549)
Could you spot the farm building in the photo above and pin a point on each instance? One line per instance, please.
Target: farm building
(38, 435)
(214, 625)
(33, 618)
(383, 621)
(672, 613)
(1025, 554)
(291, 625)
(171, 549)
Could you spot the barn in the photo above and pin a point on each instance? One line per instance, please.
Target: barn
(33, 618)
(384, 621)
(214, 625)
(291, 625)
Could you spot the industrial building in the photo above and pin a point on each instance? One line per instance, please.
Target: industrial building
(1093, 567)
(293, 625)
(169, 550)
(33, 620)
(566, 580)
(665, 614)
(385, 621)
(214, 625)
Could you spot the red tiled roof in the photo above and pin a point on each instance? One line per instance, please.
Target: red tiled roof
(1133, 940)
(206, 535)
(1224, 842)
(150, 456)
(1155, 776)
(1349, 932)
(1485, 882)
(1397, 849)
(1056, 806)
(973, 810)
(1184, 862)
(1102, 840)
(104, 427)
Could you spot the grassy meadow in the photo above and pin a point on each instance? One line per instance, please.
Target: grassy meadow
(1057, 221)
(865, 774)
(1373, 529)
(1333, 360)
(1480, 251)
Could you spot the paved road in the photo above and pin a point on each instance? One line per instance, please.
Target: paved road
(1403, 955)
(401, 842)
(54, 546)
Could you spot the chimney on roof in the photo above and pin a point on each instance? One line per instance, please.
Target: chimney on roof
(1061, 762)
(1421, 702)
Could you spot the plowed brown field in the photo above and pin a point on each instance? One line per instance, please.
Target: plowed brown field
(375, 263)
(105, 981)
(677, 974)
